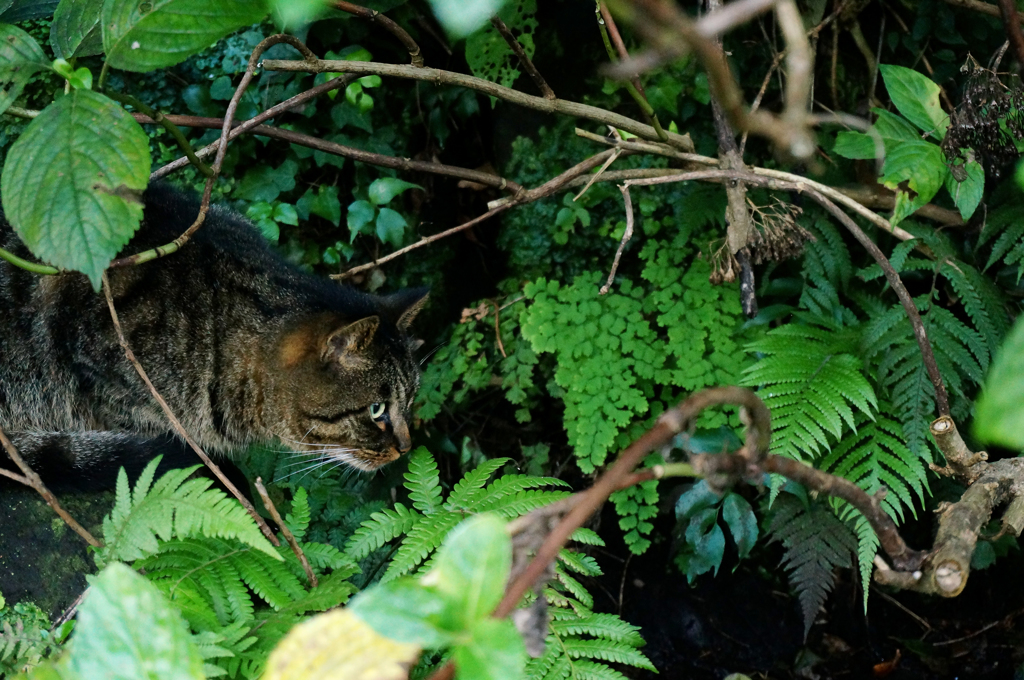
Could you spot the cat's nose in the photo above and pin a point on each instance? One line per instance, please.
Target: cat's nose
(402, 435)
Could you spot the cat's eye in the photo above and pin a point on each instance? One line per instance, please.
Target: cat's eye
(377, 410)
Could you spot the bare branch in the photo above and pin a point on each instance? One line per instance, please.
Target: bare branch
(626, 235)
(415, 56)
(288, 535)
(517, 49)
(1011, 21)
(31, 479)
(440, 77)
(175, 423)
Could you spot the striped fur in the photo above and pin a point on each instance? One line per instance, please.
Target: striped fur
(243, 346)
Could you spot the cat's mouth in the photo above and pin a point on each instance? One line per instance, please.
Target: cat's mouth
(365, 460)
(368, 461)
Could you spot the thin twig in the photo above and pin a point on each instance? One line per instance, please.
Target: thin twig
(288, 535)
(175, 423)
(616, 49)
(524, 59)
(626, 235)
(497, 328)
(546, 189)
(31, 479)
(355, 154)
(440, 77)
(415, 56)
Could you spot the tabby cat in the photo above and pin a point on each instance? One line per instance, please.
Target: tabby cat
(243, 346)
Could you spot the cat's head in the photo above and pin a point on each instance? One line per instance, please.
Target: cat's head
(348, 384)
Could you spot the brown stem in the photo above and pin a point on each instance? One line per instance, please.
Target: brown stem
(620, 45)
(626, 235)
(31, 479)
(524, 59)
(438, 76)
(1011, 21)
(175, 423)
(415, 56)
(546, 189)
(288, 535)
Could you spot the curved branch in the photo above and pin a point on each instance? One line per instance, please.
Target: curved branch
(415, 56)
(440, 77)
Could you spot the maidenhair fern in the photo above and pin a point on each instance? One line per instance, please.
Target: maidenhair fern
(811, 381)
(425, 525)
(816, 542)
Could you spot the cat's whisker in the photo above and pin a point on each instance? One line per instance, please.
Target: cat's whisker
(319, 463)
(432, 352)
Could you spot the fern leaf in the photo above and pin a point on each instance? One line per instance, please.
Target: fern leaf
(810, 382)
(816, 542)
(382, 527)
(574, 587)
(580, 563)
(590, 670)
(608, 626)
(468, 490)
(587, 537)
(175, 507)
(521, 503)
(422, 481)
(422, 540)
(606, 650)
(298, 519)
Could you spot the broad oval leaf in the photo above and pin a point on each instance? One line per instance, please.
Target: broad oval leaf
(742, 523)
(338, 645)
(1000, 411)
(126, 629)
(403, 610)
(76, 31)
(471, 569)
(144, 36)
(72, 183)
(921, 166)
(494, 651)
(390, 226)
(967, 194)
(24, 10)
(916, 97)
(20, 58)
(858, 145)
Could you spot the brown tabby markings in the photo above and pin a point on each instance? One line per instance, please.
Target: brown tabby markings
(243, 346)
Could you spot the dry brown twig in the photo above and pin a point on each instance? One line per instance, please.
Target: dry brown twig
(524, 60)
(626, 236)
(372, 15)
(31, 479)
(288, 535)
(175, 423)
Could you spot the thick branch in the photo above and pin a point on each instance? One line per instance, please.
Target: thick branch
(440, 77)
(415, 56)
(1011, 21)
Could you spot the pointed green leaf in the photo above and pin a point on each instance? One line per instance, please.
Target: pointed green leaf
(858, 145)
(920, 165)
(127, 630)
(1000, 411)
(390, 227)
(404, 610)
(742, 523)
(386, 188)
(967, 194)
(471, 568)
(916, 97)
(145, 36)
(76, 31)
(72, 183)
(494, 652)
(20, 58)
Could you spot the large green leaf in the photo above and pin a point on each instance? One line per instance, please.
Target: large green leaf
(75, 31)
(494, 651)
(126, 629)
(23, 10)
(71, 186)
(403, 610)
(916, 97)
(20, 58)
(463, 17)
(999, 417)
(144, 36)
(472, 567)
(967, 194)
(919, 164)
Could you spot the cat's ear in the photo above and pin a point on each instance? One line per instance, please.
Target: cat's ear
(350, 340)
(404, 305)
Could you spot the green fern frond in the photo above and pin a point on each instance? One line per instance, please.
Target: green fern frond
(468, 490)
(609, 626)
(816, 542)
(574, 587)
(423, 482)
(382, 527)
(1009, 246)
(587, 537)
(298, 519)
(580, 563)
(173, 507)
(810, 381)
(606, 650)
(874, 456)
(509, 496)
(424, 537)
